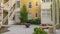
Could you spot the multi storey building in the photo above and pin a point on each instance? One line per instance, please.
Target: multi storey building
(33, 8)
(11, 10)
(46, 12)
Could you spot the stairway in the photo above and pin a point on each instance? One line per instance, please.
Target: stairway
(8, 6)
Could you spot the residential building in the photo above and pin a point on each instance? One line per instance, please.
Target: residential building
(33, 8)
(11, 10)
(46, 12)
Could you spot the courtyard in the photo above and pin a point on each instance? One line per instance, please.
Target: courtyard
(21, 29)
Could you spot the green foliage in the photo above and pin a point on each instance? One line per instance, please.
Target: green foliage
(39, 31)
(34, 21)
(23, 14)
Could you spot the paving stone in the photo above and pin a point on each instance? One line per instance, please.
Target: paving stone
(21, 29)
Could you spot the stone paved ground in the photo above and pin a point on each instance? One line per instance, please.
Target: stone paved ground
(21, 29)
(58, 32)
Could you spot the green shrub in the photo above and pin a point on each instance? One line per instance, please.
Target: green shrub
(39, 31)
(34, 21)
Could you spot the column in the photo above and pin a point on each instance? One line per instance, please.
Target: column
(57, 10)
(53, 15)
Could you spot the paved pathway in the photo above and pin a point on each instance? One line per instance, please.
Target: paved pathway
(58, 32)
(21, 29)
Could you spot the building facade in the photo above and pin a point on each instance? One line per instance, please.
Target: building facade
(8, 7)
(11, 10)
(33, 8)
(46, 12)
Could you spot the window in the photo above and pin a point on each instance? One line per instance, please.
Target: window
(36, 15)
(36, 3)
(43, 0)
(14, 17)
(18, 3)
(29, 16)
(30, 5)
(47, 0)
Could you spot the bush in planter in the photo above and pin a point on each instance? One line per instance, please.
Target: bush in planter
(34, 21)
(39, 31)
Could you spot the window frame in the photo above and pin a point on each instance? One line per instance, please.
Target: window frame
(18, 4)
(36, 3)
(30, 5)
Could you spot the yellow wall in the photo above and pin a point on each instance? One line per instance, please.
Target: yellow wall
(35, 9)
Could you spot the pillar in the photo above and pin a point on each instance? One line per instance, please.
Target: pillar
(54, 15)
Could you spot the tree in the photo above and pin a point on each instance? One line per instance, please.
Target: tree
(24, 14)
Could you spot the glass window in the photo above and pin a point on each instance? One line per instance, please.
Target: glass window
(43, 0)
(47, 0)
(36, 3)
(30, 5)
(36, 15)
(29, 16)
(18, 3)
